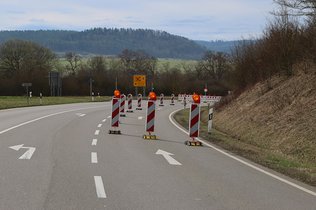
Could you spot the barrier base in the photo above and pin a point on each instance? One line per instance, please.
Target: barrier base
(130, 111)
(150, 137)
(193, 143)
(139, 109)
(117, 132)
(122, 115)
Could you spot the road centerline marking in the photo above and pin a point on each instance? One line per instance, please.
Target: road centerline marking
(94, 142)
(94, 157)
(99, 187)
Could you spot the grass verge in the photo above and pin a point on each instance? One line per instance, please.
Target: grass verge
(7, 102)
(295, 168)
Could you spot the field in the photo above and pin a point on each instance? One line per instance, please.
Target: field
(162, 63)
(7, 102)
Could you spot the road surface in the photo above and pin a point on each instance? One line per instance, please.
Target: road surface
(62, 157)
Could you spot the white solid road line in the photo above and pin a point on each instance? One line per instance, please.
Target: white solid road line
(99, 187)
(97, 132)
(46, 116)
(80, 114)
(99, 126)
(242, 161)
(94, 142)
(94, 157)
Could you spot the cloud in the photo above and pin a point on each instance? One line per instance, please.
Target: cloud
(196, 19)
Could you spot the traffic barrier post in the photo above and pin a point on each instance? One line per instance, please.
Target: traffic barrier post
(161, 99)
(129, 103)
(194, 121)
(115, 116)
(210, 120)
(122, 106)
(139, 102)
(172, 100)
(150, 117)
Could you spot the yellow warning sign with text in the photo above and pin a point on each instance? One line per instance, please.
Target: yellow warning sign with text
(139, 80)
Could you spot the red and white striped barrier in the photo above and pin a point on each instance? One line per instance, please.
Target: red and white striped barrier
(115, 116)
(205, 99)
(194, 120)
(122, 106)
(172, 100)
(194, 123)
(150, 120)
(139, 102)
(161, 99)
(129, 103)
(214, 99)
(150, 116)
(187, 97)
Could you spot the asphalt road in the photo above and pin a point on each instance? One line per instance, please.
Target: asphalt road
(78, 165)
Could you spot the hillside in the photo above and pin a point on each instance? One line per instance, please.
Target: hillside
(111, 42)
(218, 46)
(275, 123)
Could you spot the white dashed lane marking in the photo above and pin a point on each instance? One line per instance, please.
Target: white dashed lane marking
(94, 157)
(97, 132)
(99, 187)
(94, 142)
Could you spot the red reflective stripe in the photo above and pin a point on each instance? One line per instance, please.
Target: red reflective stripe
(195, 134)
(151, 116)
(151, 129)
(194, 120)
(194, 106)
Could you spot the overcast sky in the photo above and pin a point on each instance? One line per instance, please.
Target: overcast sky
(195, 19)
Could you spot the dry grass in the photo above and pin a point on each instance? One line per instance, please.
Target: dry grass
(273, 124)
(279, 117)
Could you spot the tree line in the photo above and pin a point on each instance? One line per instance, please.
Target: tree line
(111, 41)
(25, 61)
(289, 39)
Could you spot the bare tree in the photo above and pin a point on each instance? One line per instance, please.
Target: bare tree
(299, 7)
(74, 61)
(213, 65)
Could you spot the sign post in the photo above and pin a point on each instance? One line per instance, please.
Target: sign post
(27, 85)
(139, 81)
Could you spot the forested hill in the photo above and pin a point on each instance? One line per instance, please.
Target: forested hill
(111, 42)
(218, 46)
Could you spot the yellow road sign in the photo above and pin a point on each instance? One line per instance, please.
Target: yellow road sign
(139, 80)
